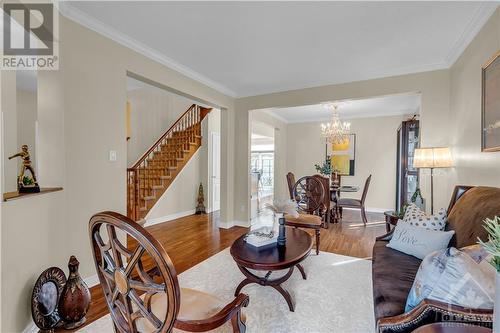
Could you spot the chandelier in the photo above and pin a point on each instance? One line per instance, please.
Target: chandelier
(336, 131)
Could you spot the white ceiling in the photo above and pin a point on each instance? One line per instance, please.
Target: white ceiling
(250, 48)
(391, 105)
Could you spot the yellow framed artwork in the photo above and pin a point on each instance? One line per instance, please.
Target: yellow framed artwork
(342, 155)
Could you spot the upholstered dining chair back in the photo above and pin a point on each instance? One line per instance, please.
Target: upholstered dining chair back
(290, 179)
(365, 189)
(124, 278)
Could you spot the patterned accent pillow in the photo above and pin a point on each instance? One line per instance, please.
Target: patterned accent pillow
(418, 218)
(454, 277)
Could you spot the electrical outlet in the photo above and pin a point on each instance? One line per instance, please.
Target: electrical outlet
(112, 155)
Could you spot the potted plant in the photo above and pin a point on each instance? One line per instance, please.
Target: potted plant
(401, 213)
(492, 226)
(325, 168)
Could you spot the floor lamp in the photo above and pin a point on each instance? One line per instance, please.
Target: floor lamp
(431, 158)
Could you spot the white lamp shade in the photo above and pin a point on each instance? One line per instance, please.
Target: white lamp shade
(435, 157)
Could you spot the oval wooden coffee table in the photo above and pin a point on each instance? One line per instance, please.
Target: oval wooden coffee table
(298, 246)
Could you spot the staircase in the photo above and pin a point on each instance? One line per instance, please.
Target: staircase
(153, 173)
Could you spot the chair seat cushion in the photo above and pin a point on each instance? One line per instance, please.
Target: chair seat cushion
(393, 273)
(305, 220)
(195, 305)
(349, 202)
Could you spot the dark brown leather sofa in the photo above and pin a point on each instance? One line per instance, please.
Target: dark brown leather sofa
(394, 271)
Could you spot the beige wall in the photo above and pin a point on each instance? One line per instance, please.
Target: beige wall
(153, 112)
(9, 116)
(26, 121)
(33, 239)
(472, 167)
(81, 118)
(376, 149)
(1, 187)
(434, 87)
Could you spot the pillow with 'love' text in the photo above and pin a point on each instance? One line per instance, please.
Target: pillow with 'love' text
(418, 242)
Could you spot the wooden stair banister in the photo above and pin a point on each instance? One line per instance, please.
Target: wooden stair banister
(156, 169)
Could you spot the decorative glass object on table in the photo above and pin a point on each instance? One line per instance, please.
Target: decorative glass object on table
(263, 234)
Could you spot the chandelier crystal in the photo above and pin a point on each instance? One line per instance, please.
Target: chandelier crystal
(336, 131)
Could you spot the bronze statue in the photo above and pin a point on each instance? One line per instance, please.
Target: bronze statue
(32, 185)
(200, 208)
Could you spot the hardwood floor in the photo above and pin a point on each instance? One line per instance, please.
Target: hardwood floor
(190, 240)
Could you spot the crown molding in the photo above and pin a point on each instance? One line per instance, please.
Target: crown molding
(76, 15)
(270, 113)
(478, 20)
(374, 114)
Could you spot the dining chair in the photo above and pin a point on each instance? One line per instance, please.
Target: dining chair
(311, 195)
(325, 208)
(356, 203)
(335, 195)
(290, 179)
(141, 300)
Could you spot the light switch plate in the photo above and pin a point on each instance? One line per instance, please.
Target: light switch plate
(112, 155)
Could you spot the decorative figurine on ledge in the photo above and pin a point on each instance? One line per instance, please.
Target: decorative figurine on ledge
(26, 184)
(200, 208)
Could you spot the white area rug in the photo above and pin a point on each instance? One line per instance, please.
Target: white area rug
(336, 297)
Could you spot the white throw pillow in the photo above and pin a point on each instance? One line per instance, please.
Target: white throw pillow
(458, 277)
(417, 241)
(418, 218)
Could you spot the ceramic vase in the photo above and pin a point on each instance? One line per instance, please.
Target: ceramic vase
(75, 297)
(496, 310)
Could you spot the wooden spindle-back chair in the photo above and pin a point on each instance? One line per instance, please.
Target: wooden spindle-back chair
(150, 300)
(310, 193)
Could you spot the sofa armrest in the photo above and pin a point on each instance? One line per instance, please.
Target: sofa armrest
(387, 237)
(430, 311)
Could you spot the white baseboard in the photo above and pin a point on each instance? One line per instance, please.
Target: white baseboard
(226, 225)
(378, 210)
(234, 223)
(31, 328)
(91, 281)
(373, 209)
(245, 224)
(156, 220)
